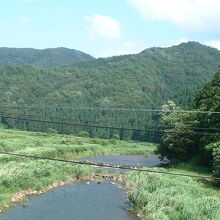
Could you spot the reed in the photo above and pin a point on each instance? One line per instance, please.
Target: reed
(161, 197)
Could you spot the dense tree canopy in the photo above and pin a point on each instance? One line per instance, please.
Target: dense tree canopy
(202, 138)
(43, 58)
(145, 80)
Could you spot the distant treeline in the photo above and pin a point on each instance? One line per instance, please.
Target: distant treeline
(110, 124)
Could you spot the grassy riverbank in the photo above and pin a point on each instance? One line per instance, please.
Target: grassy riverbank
(152, 196)
(163, 197)
(21, 174)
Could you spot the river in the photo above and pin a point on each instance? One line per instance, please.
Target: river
(83, 201)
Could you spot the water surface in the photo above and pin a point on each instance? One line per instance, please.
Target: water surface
(76, 201)
(134, 160)
(81, 201)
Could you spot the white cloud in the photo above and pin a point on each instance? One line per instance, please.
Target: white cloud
(24, 19)
(129, 47)
(104, 26)
(213, 43)
(188, 14)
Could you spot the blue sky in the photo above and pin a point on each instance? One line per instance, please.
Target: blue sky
(108, 27)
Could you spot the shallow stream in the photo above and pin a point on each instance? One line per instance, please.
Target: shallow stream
(83, 201)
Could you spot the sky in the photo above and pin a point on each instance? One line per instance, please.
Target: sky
(105, 28)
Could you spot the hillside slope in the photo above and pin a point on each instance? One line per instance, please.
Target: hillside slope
(145, 80)
(43, 58)
(208, 99)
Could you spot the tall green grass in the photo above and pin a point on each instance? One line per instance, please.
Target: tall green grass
(165, 197)
(153, 196)
(66, 147)
(19, 174)
(35, 175)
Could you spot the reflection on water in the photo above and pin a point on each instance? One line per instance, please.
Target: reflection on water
(76, 201)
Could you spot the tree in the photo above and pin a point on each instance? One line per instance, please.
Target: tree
(178, 141)
(83, 134)
(216, 157)
(13, 113)
(52, 131)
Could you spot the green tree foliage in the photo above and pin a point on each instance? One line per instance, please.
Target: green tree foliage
(145, 80)
(178, 141)
(52, 131)
(42, 58)
(83, 134)
(10, 122)
(208, 99)
(216, 155)
(204, 147)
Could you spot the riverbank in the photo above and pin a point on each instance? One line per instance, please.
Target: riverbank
(77, 200)
(22, 196)
(161, 197)
(34, 176)
(151, 196)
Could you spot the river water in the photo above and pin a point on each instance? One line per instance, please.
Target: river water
(133, 160)
(152, 161)
(76, 201)
(82, 201)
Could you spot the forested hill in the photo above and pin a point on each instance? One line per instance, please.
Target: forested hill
(147, 79)
(42, 58)
(208, 99)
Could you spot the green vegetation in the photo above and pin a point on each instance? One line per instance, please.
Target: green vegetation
(216, 157)
(65, 146)
(163, 197)
(191, 168)
(145, 80)
(18, 174)
(178, 143)
(43, 58)
(187, 144)
(152, 196)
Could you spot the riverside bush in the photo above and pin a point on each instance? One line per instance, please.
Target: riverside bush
(216, 158)
(83, 134)
(156, 196)
(52, 131)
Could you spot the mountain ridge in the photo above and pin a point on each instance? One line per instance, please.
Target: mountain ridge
(47, 58)
(143, 81)
(147, 79)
